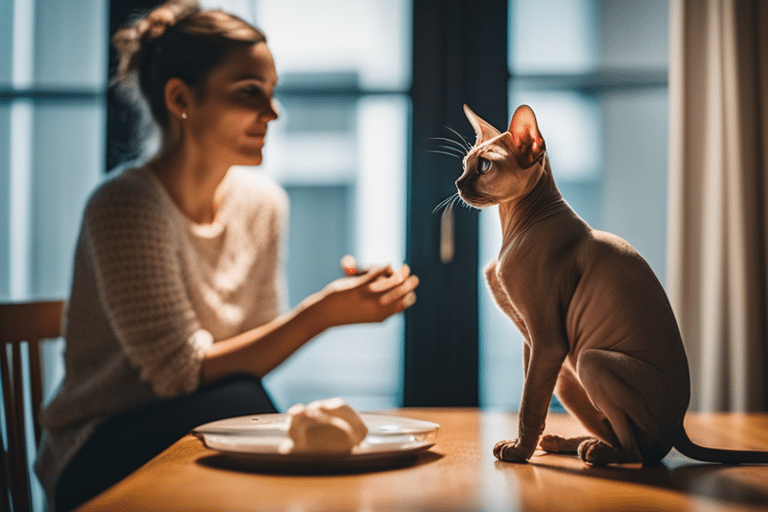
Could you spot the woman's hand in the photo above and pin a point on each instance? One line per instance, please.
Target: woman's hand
(370, 297)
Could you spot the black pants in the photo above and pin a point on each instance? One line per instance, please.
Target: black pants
(123, 443)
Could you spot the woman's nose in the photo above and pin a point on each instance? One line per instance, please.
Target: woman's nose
(272, 111)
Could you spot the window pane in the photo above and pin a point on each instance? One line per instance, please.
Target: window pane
(634, 34)
(63, 60)
(552, 36)
(64, 175)
(6, 41)
(634, 187)
(370, 38)
(5, 198)
(577, 36)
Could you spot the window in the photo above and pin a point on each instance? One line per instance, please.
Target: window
(595, 73)
(52, 138)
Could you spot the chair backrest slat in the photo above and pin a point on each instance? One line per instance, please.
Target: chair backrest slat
(36, 385)
(11, 455)
(27, 324)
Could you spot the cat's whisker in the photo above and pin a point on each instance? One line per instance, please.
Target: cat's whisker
(465, 204)
(460, 157)
(447, 203)
(453, 150)
(456, 143)
(451, 144)
(456, 200)
(466, 142)
(442, 203)
(450, 149)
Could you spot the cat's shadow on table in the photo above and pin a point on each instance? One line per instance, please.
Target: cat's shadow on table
(735, 484)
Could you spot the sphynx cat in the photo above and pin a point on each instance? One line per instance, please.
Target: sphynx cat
(598, 329)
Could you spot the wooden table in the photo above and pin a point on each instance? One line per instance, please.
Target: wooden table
(460, 473)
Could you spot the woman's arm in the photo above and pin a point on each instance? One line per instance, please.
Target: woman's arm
(372, 297)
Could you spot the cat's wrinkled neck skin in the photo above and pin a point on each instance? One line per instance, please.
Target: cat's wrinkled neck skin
(544, 200)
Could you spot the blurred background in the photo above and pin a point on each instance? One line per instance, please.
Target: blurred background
(368, 88)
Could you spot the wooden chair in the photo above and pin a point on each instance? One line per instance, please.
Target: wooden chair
(29, 324)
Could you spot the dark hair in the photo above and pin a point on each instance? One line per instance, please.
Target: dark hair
(177, 40)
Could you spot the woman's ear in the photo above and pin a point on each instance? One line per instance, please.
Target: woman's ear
(178, 97)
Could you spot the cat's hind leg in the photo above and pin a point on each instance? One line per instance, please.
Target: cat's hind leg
(613, 381)
(574, 398)
(557, 444)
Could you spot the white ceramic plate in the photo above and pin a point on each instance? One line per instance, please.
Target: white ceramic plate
(391, 441)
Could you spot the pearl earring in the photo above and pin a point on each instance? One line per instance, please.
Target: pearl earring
(183, 115)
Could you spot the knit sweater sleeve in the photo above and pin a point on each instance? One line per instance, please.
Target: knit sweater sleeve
(141, 287)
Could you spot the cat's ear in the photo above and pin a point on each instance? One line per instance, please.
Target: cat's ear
(526, 137)
(483, 130)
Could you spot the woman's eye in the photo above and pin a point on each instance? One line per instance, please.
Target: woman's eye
(484, 165)
(250, 91)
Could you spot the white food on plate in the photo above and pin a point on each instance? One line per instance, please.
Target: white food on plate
(327, 426)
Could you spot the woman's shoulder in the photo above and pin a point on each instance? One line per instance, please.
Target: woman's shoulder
(133, 181)
(129, 190)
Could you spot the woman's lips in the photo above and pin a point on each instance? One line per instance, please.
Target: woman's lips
(257, 138)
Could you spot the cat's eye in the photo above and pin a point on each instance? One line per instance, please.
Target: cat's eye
(483, 165)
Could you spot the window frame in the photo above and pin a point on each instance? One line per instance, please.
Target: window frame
(459, 56)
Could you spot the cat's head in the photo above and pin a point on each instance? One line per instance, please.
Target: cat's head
(505, 166)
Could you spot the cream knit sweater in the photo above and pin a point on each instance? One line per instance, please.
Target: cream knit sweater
(151, 292)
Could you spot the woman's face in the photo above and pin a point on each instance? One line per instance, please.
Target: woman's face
(228, 120)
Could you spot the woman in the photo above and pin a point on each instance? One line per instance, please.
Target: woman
(174, 315)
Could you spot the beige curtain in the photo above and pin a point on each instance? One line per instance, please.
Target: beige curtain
(718, 198)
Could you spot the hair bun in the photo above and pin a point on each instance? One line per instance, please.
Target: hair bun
(154, 25)
(129, 40)
(157, 22)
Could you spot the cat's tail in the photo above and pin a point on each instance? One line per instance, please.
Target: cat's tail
(684, 445)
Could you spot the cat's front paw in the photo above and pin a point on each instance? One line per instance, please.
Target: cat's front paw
(510, 451)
